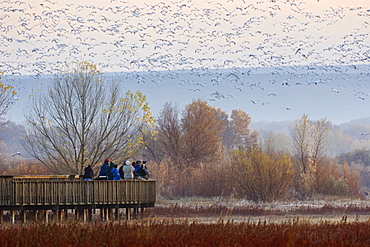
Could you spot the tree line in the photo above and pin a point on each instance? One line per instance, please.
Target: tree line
(196, 151)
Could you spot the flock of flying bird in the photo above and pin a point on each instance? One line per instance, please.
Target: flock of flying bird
(226, 42)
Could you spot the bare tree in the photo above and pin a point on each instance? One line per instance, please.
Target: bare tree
(7, 98)
(80, 121)
(169, 136)
(309, 147)
(309, 141)
(301, 135)
(319, 140)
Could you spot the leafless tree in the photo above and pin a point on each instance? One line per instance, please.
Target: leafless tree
(169, 133)
(309, 147)
(81, 121)
(7, 98)
(309, 141)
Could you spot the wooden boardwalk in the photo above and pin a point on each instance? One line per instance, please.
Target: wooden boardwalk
(35, 195)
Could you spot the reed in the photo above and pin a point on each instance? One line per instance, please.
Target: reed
(155, 232)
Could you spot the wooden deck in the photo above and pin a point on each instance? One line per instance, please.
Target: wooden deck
(58, 193)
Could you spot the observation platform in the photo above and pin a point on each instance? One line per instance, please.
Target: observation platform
(35, 196)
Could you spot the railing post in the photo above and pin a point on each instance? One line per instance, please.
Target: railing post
(22, 187)
(12, 213)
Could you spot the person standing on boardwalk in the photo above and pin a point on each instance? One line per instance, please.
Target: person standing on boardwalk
(89, 173)
(104, 170)
(120, 171)
(128, 170)
(109, 171)
(137, 167)
(115, 173)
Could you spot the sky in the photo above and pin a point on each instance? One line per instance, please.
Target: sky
(169, 35)
(224, 45)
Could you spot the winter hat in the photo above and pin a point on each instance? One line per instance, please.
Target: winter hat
(127, 163)
(107, 160)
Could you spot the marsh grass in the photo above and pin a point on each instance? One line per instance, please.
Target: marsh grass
(172, 232)
(207, 223)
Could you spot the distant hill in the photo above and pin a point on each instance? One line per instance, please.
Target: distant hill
(268, 94)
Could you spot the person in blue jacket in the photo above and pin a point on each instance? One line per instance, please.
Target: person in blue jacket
(104, 169)
(137, 167)
(115, 173)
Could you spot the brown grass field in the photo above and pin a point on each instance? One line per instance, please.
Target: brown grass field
(209, 223)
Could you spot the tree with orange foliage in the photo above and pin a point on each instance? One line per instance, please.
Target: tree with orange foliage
(241, 134)
(200, 130)
(193, 139)
(353, 179)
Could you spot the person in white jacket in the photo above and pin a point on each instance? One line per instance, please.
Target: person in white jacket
(128, 170)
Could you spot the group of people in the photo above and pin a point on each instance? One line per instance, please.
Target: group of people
(110, 171)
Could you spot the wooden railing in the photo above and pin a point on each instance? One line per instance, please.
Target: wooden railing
(69, 190)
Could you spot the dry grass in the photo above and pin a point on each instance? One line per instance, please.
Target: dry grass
(238, 208)
(211, 223)
(154, 232)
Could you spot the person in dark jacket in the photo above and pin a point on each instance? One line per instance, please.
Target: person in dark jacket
(104, 169)
(142, 172)
(146, 171)
(121, 173)
(109, 171)
(137, 166)
(89, 173)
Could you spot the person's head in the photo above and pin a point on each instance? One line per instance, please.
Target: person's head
(144, 162)
(127, 163)
(106, 161)
(114, 166)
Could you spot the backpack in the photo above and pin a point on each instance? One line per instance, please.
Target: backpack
(109, 171)
(109, 175)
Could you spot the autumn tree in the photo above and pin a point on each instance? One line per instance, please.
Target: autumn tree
(186, 141)
(190, 136)
(236, 133)
(81, 120)
(226, 133)
(200, 129)
(261, 173)
(353, 179)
